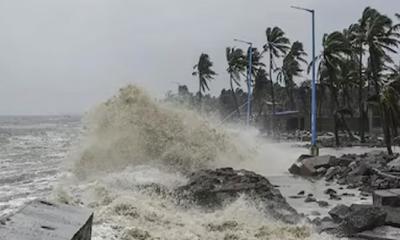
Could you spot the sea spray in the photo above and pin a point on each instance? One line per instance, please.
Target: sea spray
(132, 141)
(131, 129)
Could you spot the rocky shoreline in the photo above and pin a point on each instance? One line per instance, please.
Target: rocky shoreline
(371, 174)
(375, 173)
(367, 172)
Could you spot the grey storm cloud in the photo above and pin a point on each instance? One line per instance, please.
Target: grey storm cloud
(64, 56)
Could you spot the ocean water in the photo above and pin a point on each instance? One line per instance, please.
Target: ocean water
(32, 149)
(103, 160)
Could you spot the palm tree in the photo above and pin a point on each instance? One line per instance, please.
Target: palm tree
(381, 38)
(203, 70)
(348, 79)
(257, 65)
(305, 94)
(334, 53)
(389, 99)
(277, 45)
(356, 35)
(260, 90)
(236, 65)
(291, 68)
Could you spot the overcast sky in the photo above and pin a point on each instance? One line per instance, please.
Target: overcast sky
(64, 56)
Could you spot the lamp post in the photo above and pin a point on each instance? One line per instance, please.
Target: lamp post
(314, 147)
(249, 71)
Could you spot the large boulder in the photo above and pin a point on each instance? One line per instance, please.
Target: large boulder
(339, 213)
(363, 218)
(358, 218)
(212, 189)
(393, 216)
(308, 166)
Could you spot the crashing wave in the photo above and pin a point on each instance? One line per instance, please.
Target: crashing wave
(135, 150)
(131, 129)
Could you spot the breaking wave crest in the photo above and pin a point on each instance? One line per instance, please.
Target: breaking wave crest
(132, 129)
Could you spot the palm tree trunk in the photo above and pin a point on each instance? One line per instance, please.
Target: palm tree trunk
(394, 125)
(292, 105)
(360, 101)
(346, 127)
(386, 130)
(382, 110)
(272, 84)
(260, 110)
(272, 92)
(199, 90)
(234, 97)
(334, 104)
(336, 129)
(320, 102)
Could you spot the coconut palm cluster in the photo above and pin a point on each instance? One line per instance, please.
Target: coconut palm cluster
(356, 69)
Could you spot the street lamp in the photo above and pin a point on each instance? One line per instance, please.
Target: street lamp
(249, 70)
(314, 148)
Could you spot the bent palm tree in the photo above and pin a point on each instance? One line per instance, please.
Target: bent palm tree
(203, 70)
(236, 65)
(331, 59)
(291, 68)
(277, 45)
(256, 66)
(389, 99)
(357, 38)
(381, 38)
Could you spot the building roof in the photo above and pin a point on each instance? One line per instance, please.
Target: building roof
(284, 113)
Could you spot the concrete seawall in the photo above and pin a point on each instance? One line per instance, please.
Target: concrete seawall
(42, 220)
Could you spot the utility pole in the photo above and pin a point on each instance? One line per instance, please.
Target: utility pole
(249, 78)
(314, 148)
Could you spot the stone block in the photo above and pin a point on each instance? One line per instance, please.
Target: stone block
(42, 220)
(388, 197)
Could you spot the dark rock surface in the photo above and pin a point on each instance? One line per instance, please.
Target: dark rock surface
(339, 212)
(212, 189)
(363, 219)
(368, 171)
(393, 216)
(356, 218)
(311, 166)
(310, 199)
(323, 203)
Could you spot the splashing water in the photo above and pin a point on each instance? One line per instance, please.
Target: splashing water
(132, 141)
(131, 129)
